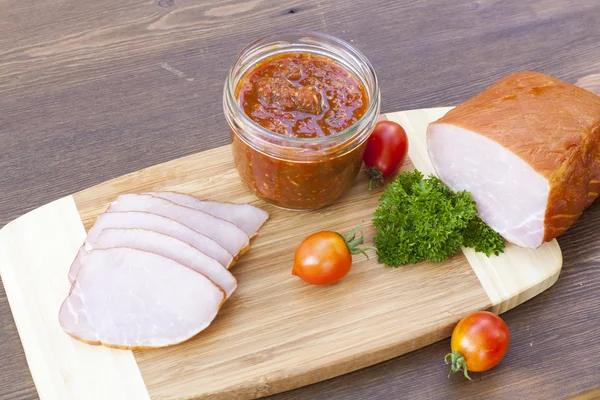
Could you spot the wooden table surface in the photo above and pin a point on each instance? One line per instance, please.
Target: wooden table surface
(92, 90)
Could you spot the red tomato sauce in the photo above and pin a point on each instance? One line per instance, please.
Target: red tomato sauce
(303, 95)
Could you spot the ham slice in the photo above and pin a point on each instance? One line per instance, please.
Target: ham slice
(169, 247)
(228, 235)
(157, 223)
(245, 216)
(132, 299)
(528, 150)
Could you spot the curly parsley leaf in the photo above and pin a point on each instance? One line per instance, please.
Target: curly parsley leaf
(483, 238)
(422, 219)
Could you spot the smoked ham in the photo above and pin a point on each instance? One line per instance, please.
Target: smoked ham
(528, 150)
(131, 299)
(228, 235)
(153, 222)
(167, 246)
(154, 273)
(245, 216)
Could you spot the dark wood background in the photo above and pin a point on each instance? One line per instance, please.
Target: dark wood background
(90, 90)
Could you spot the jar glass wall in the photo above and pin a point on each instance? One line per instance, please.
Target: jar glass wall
(299, 172)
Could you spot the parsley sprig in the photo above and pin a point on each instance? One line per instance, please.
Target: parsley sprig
(422, 219)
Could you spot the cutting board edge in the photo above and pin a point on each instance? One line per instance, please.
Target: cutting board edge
(269, 387)
(61, 367)
(526, 295)
(535, 288)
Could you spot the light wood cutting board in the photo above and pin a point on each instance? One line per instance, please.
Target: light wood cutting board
(275, 333)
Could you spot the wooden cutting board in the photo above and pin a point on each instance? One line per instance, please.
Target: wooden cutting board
(275, 333)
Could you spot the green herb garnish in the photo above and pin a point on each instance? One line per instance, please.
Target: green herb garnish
(483, 238)
(422, 219)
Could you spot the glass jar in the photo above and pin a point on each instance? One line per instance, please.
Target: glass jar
(292, 172)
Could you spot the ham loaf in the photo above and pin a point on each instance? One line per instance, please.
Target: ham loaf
(527, 149)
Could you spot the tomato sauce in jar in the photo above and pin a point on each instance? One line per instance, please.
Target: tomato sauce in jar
(302, 95)
(314, 109)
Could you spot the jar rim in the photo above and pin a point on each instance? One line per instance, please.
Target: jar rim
(348, 132)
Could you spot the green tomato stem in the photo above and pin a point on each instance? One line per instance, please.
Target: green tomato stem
(375, 175)
(352, 242)
(457, 362)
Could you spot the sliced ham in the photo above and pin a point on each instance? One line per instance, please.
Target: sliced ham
(131, 299)
(228, 235)
(153, 222)
(172, 248)
(245, 216)
(528, 150)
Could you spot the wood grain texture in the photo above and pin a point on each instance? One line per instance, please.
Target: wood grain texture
(276, 333)
(79, 77)
(549, 325)
(35, 253)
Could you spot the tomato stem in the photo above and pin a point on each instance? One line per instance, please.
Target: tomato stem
(375, 175)
(352, 242)
(457, 362)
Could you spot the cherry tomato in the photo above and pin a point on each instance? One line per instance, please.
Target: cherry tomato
(326, 257)
(479, 341)
(385, 151)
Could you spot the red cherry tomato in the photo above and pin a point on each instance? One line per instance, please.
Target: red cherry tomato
(326, 257)
(385, 151)
(479, 341)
